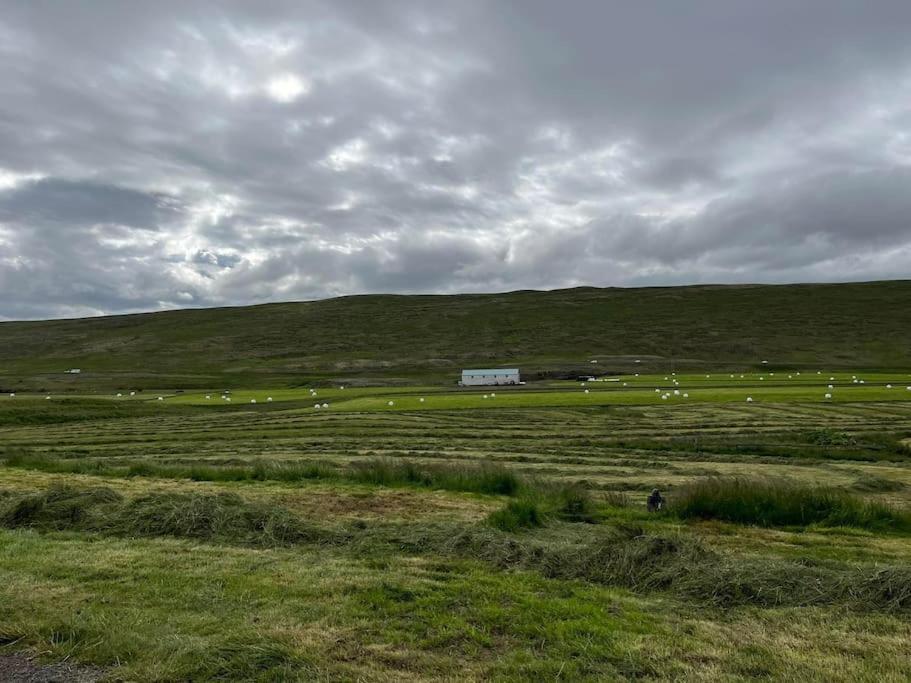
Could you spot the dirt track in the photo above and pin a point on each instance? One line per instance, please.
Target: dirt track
(18, 668)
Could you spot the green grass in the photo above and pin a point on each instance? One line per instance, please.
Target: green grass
(573, 503)
(406, 338)
(483, 478)
(628, 390)
(486, 478)
(623, 555)
(167, 541)
(26, 410)
(540, 503)
(517, 515)
(769, 502)
(871, 483)
(463, 537)
(577, 398)
(223, 516)
(170, 609)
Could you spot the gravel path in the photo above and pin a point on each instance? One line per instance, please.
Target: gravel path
(18, 668)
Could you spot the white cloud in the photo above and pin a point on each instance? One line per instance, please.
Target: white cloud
(10, 179)
(347, 155)
(286, 87)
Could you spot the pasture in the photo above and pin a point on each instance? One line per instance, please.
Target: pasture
(413, 340)
(464, 537)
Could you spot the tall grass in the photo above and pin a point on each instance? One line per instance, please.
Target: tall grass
(516, 516)
(258, 471)
(543, 502)
(572, 503)
(486, 478)
(772, 502)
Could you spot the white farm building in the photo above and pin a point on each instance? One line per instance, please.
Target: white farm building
(485, 377)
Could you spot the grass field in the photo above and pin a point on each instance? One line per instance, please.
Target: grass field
(410, 340)
(465, 537)
(636, 389)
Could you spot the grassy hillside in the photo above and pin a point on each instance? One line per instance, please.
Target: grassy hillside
(385, 337)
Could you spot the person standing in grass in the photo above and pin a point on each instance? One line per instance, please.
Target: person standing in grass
(655, 502)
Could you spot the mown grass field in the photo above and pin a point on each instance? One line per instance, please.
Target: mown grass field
(634, 389)
(463, 537)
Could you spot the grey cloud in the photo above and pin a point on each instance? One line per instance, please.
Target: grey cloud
(469, 146)
(204, 257)
(820, 218)
(80, 203)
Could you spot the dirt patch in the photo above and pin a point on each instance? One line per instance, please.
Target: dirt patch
(19, 668)
(405, 504)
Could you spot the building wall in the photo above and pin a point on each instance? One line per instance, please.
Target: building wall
(488, 380)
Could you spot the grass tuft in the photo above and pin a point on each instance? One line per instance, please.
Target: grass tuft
(257, 658)
(771, 502)
(574, 504)
(487, 478)
(830, 437)
(517, 515)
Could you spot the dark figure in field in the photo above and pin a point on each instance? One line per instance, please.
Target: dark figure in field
(655, 501)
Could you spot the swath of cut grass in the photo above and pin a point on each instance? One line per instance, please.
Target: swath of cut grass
(207, 516)
(871, 483)
(59, 507)
(627, 556)
(222, 516)
(631, 557)
(25, 459)
(773, 502)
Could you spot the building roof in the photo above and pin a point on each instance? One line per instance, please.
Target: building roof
(494, 371)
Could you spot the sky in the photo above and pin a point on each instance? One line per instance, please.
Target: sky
(158, 155)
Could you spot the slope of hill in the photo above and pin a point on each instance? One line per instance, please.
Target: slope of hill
(430, 337)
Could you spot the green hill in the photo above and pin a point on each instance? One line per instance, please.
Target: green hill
(385, 337)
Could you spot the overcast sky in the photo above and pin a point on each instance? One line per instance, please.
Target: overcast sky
(175, 154)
